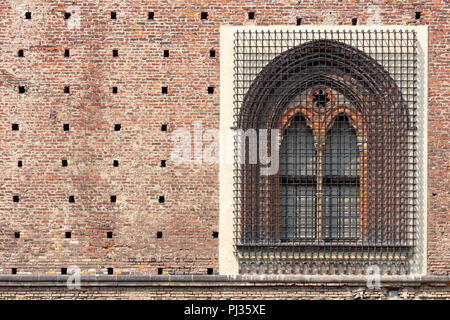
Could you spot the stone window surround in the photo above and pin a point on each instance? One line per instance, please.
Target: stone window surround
(228, 264)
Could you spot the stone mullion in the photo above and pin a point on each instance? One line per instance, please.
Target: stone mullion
(319, 143)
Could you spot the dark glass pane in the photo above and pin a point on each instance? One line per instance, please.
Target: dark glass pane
(297, 152)
(341, 194)
(297, 192)
(341, 154)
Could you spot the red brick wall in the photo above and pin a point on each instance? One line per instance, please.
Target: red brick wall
(190, 212)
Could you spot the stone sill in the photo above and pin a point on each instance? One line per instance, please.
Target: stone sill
(218, 280)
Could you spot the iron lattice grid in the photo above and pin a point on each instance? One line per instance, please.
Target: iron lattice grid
(345, 195)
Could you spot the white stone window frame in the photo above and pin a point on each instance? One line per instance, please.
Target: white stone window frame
(228, 263)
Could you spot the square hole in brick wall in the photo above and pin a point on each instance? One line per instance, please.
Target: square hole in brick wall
(19, 163)
(163, 163)
(116, 163)
(66, 89)
(17, 235)
(71, 198)
(15, 198)
(215, 234)
(113, 15)
(109, 234)
(251, 15)
(27, 15)
(13, 270)
(20, 53)
(204, 15)
(164, 127)
(110, 270)
(418, 15)
(161, 199)
(66, 53)
(209, 271)
(67, 15)
(166, 53)
(117, 127)
(159, 234)
(64, 163)
(115, 53)
(164, 90)
(151, 15)
(210, 90)
(354, 21)
(212, 53)
(14, 126)
(299, 21)
(63, 270)
(66, 127)
(160, 270)
(114, 90)
(21, 89)
(68, 235)
(113, 198)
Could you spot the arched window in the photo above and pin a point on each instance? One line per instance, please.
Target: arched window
(341, 197)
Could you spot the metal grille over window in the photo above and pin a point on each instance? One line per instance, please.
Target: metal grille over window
(340, 108)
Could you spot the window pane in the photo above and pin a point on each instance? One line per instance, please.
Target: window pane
(297, 152)
(297, 216)
(341, 197)
(341, 154)
(341, 211)
(297, 197)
